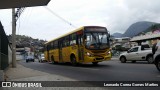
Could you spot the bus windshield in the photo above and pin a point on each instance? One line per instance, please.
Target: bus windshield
(97, 40)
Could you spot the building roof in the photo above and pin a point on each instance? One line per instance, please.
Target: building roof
(6, 4)
(145, 37)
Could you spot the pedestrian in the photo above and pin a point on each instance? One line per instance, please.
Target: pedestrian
(154, 48)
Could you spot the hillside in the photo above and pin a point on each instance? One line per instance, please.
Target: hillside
(137, 28)
(26, 41)
(153, 28)
(117, 35)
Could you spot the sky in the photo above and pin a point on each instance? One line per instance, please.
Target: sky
(63, 16)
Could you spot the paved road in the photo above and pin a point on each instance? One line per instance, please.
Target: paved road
(106, 71)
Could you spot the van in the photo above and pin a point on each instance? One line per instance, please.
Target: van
(41, 58)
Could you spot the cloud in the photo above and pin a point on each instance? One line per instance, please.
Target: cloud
(116, 15)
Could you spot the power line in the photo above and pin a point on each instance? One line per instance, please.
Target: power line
(60, 17)
(19, 12)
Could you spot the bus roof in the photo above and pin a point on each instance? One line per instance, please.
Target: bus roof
(81, 28)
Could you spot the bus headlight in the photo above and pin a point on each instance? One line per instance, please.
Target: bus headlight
(109, 52)
(89, 54)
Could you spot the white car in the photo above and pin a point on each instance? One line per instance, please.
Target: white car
(41, 58)
(137, 53)
(30, 58)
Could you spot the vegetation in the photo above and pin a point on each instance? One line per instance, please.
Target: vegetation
(26, 41)
(153, 28)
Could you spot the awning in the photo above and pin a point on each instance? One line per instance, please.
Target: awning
(6, 4)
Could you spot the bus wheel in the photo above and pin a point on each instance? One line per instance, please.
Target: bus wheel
(95, 63)
(73, 61)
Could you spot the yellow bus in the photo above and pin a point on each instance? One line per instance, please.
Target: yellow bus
(87, 44)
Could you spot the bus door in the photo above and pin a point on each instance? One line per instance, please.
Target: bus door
(80, 45)
(60, 50)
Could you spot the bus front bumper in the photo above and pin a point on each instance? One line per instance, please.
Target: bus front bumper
(96, 59)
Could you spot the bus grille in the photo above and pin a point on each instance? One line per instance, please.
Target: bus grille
(99, 58)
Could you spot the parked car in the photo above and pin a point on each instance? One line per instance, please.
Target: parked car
(137, 53)
(30, 57)
(41, 58)
(156, 51)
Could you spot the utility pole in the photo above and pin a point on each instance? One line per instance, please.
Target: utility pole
(15, 16)
(13, 38)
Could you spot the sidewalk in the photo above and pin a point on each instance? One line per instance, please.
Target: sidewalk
(21, 73)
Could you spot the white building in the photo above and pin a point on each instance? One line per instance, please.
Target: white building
(124, 42)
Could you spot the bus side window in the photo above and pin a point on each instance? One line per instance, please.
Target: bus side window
(56, 44)
(52, 45)
(73, 39)
(63, 42)
(67, 41)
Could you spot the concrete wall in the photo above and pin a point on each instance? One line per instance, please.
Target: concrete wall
(19, 57)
